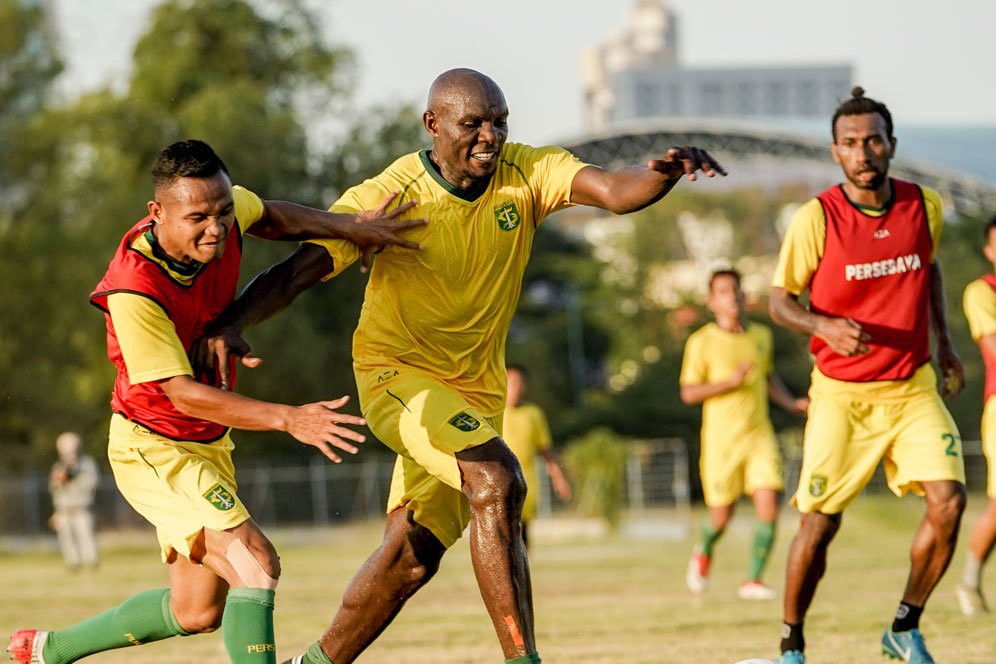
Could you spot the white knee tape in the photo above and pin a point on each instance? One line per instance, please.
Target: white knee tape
(247, 567)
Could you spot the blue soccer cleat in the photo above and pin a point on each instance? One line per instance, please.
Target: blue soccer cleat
(792, 657)
(906, 646)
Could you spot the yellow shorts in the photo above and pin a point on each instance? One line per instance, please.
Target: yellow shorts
(914, 436)
(178, 487)
(989, 444)
(426, 423)
(730, 469)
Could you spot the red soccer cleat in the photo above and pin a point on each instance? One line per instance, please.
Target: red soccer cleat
(26, 646)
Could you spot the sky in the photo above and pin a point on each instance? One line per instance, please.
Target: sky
(929, 61)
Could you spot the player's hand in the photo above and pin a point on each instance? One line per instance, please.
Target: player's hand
(952, 371)
(320, 425)
(213, 351)
(561, 487)
(801, 405)
(844, 336)
(376, 228)
(686, 161)
(740, 374)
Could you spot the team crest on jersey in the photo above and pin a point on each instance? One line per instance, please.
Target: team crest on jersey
(465, 422)
(507, 216)
(220, 497)
(817, 485)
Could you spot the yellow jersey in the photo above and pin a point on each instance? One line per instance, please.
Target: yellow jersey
(445, 310)
(713, 354)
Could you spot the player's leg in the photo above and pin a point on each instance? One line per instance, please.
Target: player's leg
(722, 465)
(495, 489)
(925, 458)
(983, 537)
(408, 557)
(766, 510)
(713, 527)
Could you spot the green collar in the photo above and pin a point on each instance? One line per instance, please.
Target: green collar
(469, 195)
(182, 269)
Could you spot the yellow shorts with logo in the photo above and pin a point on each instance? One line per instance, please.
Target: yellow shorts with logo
(913, 435)
(989, 444)
(426, 423)
(178, 487)
(732, 468)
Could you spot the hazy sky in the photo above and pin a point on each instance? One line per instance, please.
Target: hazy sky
(929, 61)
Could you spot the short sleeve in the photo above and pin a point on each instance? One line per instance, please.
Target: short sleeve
(693, 364)
(147, 338)
(935, 218)
(979, 302)
(550, 173)
(802, 248)
(249, 207)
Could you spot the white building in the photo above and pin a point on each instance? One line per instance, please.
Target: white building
(637, 74)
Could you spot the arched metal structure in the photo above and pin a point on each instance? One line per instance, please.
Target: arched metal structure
(743, 143)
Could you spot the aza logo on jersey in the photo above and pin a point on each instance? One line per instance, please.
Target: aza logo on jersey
(220, 497)
(465, 422)
(507, 216)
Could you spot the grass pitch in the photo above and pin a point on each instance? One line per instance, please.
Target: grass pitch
(608, 599)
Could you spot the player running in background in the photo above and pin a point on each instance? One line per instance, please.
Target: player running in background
(170, 450)
(429, 350)
(866, 252)
(980, 310)
(527, 434)
(728, 367)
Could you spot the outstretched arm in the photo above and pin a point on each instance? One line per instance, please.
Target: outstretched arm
(270, 292)
(633, 188)
(367, 229)
(952, 372)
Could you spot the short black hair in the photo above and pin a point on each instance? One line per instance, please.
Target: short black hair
(727, 272)
(185, 159)
(859, 104)
(990, 225)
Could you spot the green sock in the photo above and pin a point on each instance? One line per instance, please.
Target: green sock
(315, 655)
(247, 626)
(142, 618)
(531, 658)
(764, 537)
(709, 537)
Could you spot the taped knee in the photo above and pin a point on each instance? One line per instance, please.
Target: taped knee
(249, 570)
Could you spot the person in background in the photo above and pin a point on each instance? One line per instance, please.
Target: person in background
(73, 484)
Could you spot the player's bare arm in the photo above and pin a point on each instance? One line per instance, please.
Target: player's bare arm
(780, 394)
(367, 229)
(316, 424)
(694, 394)
(633, 188)
(269, 292)
(952, 372)
(843, 335)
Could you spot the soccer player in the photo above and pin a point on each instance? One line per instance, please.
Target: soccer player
(170, 450)
(728, 368)
(980, 310)
(429, 348)
(527, 434)
(866, 252)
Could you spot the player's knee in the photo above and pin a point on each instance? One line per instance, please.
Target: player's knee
(256, 567)
(818, 529)
(501, 487)
(946, 502)
(199, 620)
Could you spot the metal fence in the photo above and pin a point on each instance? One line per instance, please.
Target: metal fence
(658, 473)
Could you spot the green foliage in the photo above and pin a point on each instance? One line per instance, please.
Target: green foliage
(597, 462)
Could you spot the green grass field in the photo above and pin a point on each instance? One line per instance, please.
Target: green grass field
(597, 600)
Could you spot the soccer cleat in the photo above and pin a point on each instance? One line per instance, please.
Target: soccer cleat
(26, 646)
(756, 590)
(792, 657)
(970, 600)
(906, 646)
(697, 574)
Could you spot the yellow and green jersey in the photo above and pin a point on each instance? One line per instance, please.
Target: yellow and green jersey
(445, 310)
(713, 354)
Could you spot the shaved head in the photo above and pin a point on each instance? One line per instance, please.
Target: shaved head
(458, 85)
